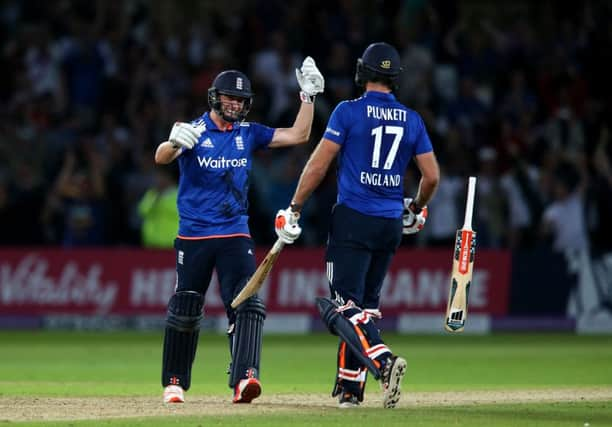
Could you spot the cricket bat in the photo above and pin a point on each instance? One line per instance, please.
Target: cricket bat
(258, 278)
(463, 264)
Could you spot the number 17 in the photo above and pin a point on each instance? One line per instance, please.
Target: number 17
(398, 131)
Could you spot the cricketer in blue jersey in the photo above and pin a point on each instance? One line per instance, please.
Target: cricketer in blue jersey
(214, 153)
(374, 138)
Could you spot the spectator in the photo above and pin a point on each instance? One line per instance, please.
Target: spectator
(564, 219)
(121, 72)
(79, 198)
(158, 211)
(601, 188)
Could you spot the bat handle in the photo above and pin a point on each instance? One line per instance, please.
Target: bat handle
(278, 246)
(469, 206)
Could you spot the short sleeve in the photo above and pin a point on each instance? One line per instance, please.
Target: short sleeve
(422, 143)
(336, 130)
(261, 135)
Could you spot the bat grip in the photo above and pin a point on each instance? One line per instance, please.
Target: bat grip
(278, 246)
(469, 206)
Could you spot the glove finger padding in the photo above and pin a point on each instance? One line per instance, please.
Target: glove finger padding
(184, 134)
(186, 129)
(308, 65)
(309, 78)
(199, 129)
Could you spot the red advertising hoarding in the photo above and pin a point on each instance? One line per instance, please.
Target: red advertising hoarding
(140, 282)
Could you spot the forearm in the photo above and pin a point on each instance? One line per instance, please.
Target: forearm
(314, 172)
(303, 122)
(166, 153)
(299, 132)
(427, 189)
(309, 180)
(430, 177)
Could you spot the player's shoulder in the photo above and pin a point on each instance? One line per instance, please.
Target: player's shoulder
(413, 115)
(354, 101)
(348, 104)
(251, 125)
(396, 103)
(199, 122)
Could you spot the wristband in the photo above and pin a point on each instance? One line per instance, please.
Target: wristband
(295, 207)
(308, 99)
(416, 209)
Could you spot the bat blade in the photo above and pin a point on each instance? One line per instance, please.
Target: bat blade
(461, 279)
(463, 264)
(258, 278)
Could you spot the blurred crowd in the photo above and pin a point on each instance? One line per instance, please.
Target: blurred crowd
(516, 93)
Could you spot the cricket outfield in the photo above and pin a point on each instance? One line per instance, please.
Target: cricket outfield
(112, 379)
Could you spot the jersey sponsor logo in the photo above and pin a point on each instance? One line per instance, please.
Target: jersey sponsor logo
(380, 179)
(381, 113)
(207, 143)
(221, 162)
(332, 131)
(239, 143)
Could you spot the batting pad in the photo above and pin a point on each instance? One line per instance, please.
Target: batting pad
(181, 338)
(339, 325)
(246, 342)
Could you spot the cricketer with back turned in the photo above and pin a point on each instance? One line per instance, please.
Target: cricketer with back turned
(374, 138)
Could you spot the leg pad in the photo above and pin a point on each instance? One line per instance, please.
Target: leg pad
(246, 340)
(181, 337)
(339, 325)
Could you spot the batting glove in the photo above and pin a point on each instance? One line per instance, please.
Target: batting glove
(286, 225)
(184, 135)
(310, 79)
(413, 218)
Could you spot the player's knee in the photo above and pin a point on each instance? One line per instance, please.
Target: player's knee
(252, 305)
(185, 311)
(328, 309)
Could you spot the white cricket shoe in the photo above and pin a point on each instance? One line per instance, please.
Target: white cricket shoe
(246, 390)
(391, 379)
(174, 394)
(348, 400)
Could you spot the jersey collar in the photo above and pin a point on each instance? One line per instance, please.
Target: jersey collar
(379, 95)
(210, 125)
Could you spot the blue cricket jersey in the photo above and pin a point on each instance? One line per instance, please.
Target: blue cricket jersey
(214, 181)
(378, 137)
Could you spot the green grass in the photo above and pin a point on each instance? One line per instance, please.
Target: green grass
(80, 364)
